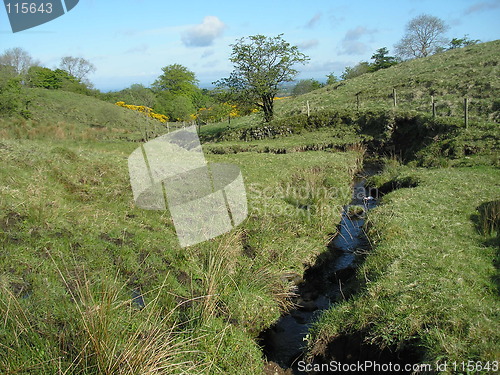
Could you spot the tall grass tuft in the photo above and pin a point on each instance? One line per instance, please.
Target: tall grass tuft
(107, 335)
(489, 218)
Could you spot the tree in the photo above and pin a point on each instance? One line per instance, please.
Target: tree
(176, 107)
(305, 85)
(19, 59)
(331, 79)
(260, 64)
(46, 78)
(424, 36)
(78, 67)
(11, 94)
(462, 42)
(359, 69)
(381, 60)
(138, 94)
(177, 80)
(176, 92)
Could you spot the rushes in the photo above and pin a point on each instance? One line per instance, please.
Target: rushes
(489, 218)
(105, 335)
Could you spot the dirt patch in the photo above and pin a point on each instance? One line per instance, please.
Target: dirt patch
(272, 368)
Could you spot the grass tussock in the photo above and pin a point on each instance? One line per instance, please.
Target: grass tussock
(107, 334)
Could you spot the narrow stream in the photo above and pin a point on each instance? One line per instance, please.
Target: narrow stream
(322, 284)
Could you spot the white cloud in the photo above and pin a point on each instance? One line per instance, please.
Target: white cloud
(204, 34)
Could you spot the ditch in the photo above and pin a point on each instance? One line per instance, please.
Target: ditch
(327, 281)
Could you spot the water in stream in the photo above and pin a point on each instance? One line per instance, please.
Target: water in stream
(284, 343)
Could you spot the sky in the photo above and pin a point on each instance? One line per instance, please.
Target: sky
(129, 41)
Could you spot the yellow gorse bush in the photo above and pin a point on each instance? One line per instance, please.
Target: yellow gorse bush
(143, 109)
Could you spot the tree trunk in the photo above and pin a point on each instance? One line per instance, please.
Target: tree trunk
(268, 107)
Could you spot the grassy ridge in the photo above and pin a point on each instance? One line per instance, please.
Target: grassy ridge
(61, 115)
(471, 72)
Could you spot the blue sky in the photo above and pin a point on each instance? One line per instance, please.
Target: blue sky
(129, 41)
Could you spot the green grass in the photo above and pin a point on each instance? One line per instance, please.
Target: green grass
(324, 139)
(62, 115)
(74, 247)
(448, 77)
(431, 279)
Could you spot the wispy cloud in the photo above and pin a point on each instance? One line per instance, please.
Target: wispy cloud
(207, 53)
(137, 49)
(353, 48)
(482, 6)
(308, 44)
(314, 21)
(351, 44)
(357, 33)
(204, 34)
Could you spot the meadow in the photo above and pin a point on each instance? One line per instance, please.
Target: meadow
(91, 284)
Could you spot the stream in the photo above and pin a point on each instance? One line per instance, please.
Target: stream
(322, 283)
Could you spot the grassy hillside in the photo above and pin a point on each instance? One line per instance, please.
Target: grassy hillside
(91, 284)
(471, 72)
(57, 114)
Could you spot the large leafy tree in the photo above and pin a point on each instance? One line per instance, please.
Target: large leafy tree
(177, 80)
(176, 92)
(261, 64)
(424, 36)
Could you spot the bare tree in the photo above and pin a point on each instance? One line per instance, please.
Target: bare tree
(18, 59)
(78, 67)
(424, 36)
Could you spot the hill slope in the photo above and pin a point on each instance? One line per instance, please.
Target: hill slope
(450, 76)
(65, 115)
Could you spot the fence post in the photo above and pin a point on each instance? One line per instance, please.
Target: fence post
(466, 112)
(394, 97)
(433, 106)
(308, 109)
